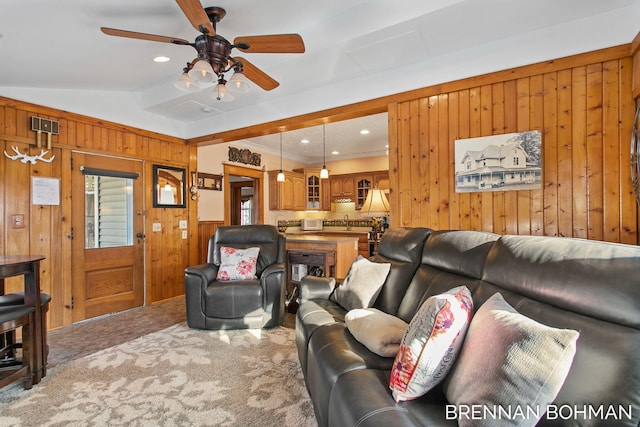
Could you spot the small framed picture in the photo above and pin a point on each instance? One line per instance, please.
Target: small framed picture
(208, 181)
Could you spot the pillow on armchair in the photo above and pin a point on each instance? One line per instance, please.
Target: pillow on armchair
(237, 264)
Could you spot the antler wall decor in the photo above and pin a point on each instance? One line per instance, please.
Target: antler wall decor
(25, 158)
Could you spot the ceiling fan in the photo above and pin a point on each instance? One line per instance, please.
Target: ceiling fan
(214, 52)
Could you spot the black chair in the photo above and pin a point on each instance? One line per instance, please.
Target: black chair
(16, 358)
(239, 304)
(17, 298)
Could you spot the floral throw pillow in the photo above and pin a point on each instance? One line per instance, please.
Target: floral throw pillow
(430, 344)
(238, 264)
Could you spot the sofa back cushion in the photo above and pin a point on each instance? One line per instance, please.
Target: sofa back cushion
(449, 259)
(589, 286)
(265, 237)
(402, 248)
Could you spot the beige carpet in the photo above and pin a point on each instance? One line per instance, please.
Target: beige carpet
(175, 377)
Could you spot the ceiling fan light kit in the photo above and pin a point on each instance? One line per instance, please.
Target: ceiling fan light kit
(220, 92)
(214, 52)
(186, 83)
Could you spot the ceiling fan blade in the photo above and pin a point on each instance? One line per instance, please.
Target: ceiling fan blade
(195, 13)
(142, 36)
(256, 75)
(274, 43)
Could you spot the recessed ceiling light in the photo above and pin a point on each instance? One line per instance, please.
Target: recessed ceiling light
(161, 59)
(335, 152)
(304, 141)
(364, 132)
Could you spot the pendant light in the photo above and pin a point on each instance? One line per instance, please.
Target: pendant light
(324, 173)
(280, 177)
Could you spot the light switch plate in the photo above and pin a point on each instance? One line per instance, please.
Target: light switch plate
(156, 226)
(183, 223)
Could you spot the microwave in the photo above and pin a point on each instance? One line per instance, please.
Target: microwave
(312, 224)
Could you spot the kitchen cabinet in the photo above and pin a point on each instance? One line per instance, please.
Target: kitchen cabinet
(288, 195)
(316, 190)
(363, 184)
(341, 187)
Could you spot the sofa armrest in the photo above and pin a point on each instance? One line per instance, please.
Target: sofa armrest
(198, 277)
(312, 287)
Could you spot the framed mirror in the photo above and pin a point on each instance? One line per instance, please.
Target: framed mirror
(169, 187)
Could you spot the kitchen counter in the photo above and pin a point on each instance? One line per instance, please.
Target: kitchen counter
(338, 252)
(331, 230)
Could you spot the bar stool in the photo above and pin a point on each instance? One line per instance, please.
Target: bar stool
(17, 298)
(12, 367)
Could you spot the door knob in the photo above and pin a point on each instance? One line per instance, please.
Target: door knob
(140, 236)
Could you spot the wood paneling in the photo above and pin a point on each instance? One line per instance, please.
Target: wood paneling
(584, 107)
(206, 229)
(48, 228)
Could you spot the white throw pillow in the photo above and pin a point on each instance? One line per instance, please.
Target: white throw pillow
(362, 285)
(510, 361)
(378, 331)
(430, 345)
(237, 264)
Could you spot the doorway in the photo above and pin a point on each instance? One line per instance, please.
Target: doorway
(236, 178)
(108, 235)
(242, 201)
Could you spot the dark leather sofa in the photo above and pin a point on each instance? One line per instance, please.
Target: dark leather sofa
(589, 286)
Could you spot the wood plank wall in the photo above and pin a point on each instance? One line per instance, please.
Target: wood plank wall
(206, 229)
(584, 107)
(48, 228)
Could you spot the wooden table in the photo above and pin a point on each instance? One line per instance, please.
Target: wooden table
(29, 267)
(341, 251)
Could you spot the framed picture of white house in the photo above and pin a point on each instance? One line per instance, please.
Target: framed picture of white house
(499, 162)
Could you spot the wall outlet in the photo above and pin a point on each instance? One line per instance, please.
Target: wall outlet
(17, 221)
(184, 234)
(156, 227)
(183, 223)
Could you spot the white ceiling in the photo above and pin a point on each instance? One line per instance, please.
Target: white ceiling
(52, 53)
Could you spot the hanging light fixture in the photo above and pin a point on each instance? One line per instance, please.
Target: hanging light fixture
(239, 82)
(280, 177)
(202, 72)
(324, 173)
(220, 92)
(186, 83)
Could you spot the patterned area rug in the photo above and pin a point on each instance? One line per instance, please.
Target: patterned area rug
(174, 377)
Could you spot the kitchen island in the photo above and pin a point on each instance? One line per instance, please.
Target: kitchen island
(334, 254)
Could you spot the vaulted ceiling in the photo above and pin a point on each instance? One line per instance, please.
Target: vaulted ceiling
(54, 54)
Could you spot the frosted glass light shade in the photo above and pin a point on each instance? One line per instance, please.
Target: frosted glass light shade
(239, 83)
(186, 83)
(280, 177)
(202, 72)
(221, 94)
(324, 173)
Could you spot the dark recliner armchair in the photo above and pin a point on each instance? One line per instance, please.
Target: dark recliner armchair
(238, 304)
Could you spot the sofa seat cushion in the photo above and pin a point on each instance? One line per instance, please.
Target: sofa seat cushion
(362, 398)
(510, 361)
(332, 352)
(228, 300)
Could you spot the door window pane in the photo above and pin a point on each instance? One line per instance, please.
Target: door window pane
(108, 211)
